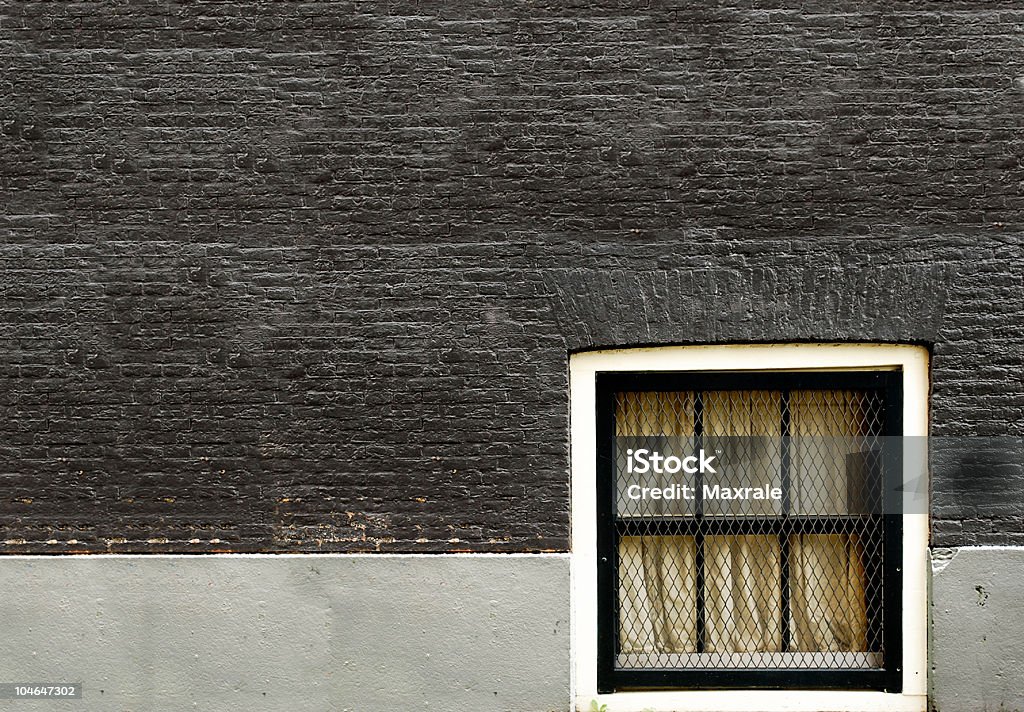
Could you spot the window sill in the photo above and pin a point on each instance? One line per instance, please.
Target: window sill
(761, 700)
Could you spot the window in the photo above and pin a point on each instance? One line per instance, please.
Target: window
(746, 530)
(812, 593)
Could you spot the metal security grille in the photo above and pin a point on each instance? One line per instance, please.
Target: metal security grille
(747, 536)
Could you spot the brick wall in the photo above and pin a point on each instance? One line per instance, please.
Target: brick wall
(304, 275)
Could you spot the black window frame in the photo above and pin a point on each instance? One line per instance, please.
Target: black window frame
(887, 678)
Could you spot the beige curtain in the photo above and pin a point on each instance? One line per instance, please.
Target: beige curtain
(742, 573)
(828, 611)
(743, 601)
(657, 586)
(743, 429)
(657, 596)
(664, 421)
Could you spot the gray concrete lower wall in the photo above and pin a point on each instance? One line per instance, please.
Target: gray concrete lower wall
(392, 633)
(977, 641)
(359, 633)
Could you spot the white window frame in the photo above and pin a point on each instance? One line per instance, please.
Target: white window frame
(583, 367)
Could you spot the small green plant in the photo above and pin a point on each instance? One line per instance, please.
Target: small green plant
(594, 707)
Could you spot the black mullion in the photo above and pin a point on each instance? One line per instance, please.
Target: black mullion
(892, 542)
(607, 540)
(698, 438)
(784, 549)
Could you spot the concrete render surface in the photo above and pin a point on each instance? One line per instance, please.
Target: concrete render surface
(977, 640)
(361, 633)
(446, 633)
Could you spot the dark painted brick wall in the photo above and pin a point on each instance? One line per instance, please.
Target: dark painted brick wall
(304, 275)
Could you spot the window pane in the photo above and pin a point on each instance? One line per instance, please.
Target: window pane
(829, 602)
(835, 459)
(793, 582)
(657, 594)
(661, 422)
(743, 599)
(743, 429)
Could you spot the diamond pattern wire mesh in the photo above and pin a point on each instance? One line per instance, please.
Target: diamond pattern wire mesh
(718, 582)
